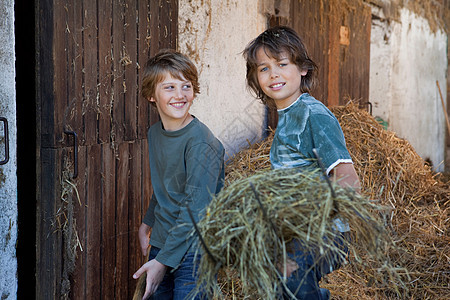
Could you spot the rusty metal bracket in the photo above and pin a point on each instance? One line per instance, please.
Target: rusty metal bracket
(5, 126)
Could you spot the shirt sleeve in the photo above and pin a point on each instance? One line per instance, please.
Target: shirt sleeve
(204, 167)
(329, 141)
(149, 218)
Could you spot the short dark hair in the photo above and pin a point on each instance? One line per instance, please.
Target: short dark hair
(275, 41)
(168, 60)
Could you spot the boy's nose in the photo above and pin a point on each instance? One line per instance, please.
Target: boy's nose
(179, 94)
(274, 74)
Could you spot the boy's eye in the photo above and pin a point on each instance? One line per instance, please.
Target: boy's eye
(283, 64)
(168, 87)
(187, 86)
(263, 69)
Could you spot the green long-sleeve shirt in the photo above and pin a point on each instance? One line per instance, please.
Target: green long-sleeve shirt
(187, 169)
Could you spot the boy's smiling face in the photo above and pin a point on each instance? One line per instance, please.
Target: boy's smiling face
(173, 98)
(279, 78)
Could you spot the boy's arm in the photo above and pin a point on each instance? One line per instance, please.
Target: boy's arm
(146, 227)
(144, 237)
(345, 175)
(203, 168)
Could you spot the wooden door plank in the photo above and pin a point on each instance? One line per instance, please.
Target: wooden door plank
(108, 238)
(118, 100)
(78, 286)
(93, 223)
(122, 234)
(147, 189)
(168, 26)
(73, 113)
(155, 16)
(60, 68)
(333, 55)
(91, 96)
(130, 53)
(144, 36)
(105, 70)
(48, 250)
(135, 181)
(311, 21)
(321, 56)
(45, 76)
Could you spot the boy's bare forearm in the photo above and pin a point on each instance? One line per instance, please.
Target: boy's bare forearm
(345, 175)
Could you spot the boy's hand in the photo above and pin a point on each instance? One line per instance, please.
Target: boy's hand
(291, 266)
(144, 237)
(155, 274)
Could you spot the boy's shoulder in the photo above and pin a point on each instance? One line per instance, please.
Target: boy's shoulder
(314, 106)
(200, 133)
(194, 133)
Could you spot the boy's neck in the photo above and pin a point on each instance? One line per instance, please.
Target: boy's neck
(174, 125)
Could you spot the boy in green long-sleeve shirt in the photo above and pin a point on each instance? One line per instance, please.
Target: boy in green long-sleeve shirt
(187, 169)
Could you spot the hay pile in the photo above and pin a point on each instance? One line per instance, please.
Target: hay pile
(391, 171)
(248, 227)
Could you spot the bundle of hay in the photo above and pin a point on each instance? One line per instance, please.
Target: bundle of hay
(391, 171)
(249, 224)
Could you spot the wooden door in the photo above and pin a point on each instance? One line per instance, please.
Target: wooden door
(337, 35)
(94, 184)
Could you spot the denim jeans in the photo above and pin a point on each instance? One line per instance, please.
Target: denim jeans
(178, 283)
(304, 282)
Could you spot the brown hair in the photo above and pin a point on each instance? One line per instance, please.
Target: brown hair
(275, 41)
(173, 62)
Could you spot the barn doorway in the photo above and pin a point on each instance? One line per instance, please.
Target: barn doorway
(26, 147)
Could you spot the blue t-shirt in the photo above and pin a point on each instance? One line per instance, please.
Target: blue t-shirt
(304, 125)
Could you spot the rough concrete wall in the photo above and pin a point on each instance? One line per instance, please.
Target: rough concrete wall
(214, 33)
(8, 179)
(407, 59)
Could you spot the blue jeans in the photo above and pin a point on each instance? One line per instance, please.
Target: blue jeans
(178, 283)
(304, 282)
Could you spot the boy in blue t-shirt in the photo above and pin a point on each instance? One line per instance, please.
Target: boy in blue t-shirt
(187, 169)
(281, 74)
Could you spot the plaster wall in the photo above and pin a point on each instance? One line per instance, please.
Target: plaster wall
(213, 33)
(407, 58)
(8, 178)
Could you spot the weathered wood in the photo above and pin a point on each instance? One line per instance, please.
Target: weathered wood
(105, 70)
(78, 278)
(94, 216)
(122, 234)
(108, 238)
(90, 66)
(146, 188)
(144, 36)
(60, 69)
(130, 53)
(343, 69)
(73, 114)
(86, 85)
(333, 92)
(135, 182)
(118, 108)
(355, 57)
(45, 73)
(49, 238)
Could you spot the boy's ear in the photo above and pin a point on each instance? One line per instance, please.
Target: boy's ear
(304, 72)
(151, 99)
